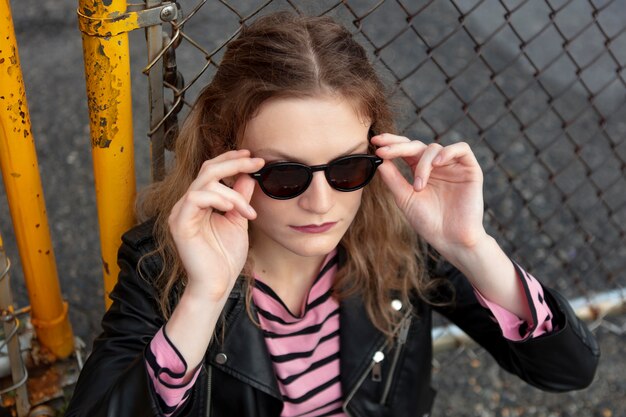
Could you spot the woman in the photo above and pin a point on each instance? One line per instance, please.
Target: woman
(280, 269)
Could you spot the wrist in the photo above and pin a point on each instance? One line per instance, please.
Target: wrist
(480, 261)
(203, 293)
(465, 254)
(192, 323)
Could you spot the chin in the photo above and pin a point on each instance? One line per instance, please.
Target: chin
(313, 246)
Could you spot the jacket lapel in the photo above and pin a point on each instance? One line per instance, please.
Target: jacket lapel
(358, 341)
(358, 338)
(243, 353)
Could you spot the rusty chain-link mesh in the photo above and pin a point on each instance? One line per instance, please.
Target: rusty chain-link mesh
(536, 87)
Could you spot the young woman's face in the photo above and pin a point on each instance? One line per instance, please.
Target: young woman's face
(312, 131)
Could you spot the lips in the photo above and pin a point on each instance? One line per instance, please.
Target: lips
(314, 228)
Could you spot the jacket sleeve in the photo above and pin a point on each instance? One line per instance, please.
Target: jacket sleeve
(562, 360)
(114, 380)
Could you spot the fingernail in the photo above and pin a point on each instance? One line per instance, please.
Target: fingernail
(437, 159)
(251, 211)
(417, 184)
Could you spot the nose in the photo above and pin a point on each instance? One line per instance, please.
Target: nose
(319, 197)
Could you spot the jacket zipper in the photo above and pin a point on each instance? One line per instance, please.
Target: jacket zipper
(404, 332)
(375, 361)
(208, 396)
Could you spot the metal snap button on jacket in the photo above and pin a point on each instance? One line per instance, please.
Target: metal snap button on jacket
(221, 358)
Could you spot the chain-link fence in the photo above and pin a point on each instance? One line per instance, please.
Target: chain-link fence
(536, 87)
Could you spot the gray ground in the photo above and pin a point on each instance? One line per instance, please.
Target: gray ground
(580, 235)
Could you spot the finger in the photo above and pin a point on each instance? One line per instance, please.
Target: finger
(224, 157)
(411, 151)
(425, 165)
(396, 182)
(196, 202)
(244, 185)
(239, 201)
(174, 213)
(237, 153)
(456, 153)
(388, 138)
(224, 169)
(191, 209)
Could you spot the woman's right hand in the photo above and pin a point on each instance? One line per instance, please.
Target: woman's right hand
(209, 224)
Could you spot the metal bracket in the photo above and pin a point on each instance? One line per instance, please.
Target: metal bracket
(116, 23)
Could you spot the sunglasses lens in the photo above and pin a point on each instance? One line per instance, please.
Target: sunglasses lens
(284, 181)
(350, 173)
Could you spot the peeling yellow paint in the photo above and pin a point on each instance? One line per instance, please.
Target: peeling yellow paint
(107, 73)
(102, 101)
(112, 24)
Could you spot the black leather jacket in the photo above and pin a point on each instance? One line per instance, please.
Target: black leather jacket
(114, 381)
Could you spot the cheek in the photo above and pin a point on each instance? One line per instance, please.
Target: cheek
(352, 202)
(256, 199)
(261, 202)
(269, 210)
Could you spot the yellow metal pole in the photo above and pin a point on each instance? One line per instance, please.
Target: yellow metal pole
(107, 72)
(22, 182)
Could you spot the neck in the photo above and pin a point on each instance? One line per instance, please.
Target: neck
(288, 274)
(284, 268)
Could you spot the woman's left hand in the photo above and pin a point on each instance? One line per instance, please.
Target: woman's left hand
(445, 203)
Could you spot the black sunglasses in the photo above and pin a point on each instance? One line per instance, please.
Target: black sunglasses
(285, 180)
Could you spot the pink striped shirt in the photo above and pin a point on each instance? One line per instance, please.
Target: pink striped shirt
(304, 348)
(167, 368)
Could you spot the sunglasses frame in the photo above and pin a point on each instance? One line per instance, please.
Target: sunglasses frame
(374, 160)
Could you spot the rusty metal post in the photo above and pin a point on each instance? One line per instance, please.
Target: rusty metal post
(154, 40)
(26, 202)
(107, 72)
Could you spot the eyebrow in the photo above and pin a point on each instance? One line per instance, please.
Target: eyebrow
(275, 153)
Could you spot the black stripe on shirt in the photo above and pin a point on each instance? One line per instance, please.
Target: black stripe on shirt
(319, 300)
(307, 330)
(320, 407)
(325, 269)
(158, 370)
(312, 393)
(334, 412)
(314, 366)
(306, 354)
(265, 289)
(269, 316)
(166, 409)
